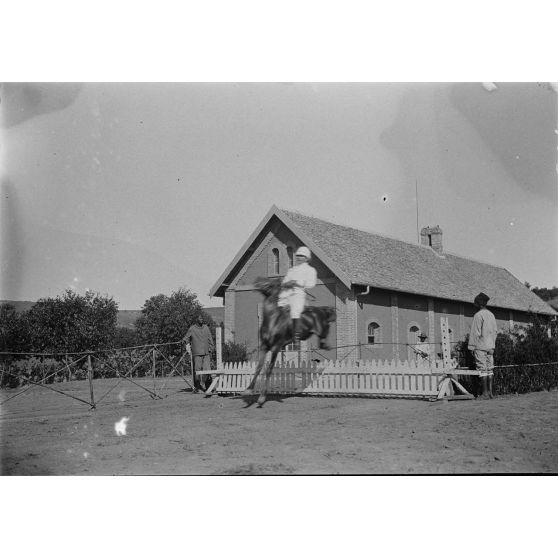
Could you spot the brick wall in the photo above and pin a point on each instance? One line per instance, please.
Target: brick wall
(346, 322)
(229, 315)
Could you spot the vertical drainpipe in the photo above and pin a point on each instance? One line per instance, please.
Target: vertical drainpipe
(395, 326)
(363, 293)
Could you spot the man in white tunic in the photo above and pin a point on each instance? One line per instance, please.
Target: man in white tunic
(482, 341)
(298, 279)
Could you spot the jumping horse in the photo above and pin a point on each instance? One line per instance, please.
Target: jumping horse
(276, 329)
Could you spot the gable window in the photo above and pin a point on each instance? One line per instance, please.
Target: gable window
(275, 261)
(290, 256)
(374, 333)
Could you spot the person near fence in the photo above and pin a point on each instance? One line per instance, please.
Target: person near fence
(422, 349)
(482, 341)
(201, 344)
(298, 279)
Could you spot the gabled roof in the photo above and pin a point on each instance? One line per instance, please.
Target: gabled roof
(363, 258)
(255, 238)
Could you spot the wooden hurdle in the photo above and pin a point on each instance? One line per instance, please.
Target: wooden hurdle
(337, 378)
(368, 378)
(358, 378)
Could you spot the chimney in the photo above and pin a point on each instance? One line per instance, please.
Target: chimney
(432, 236)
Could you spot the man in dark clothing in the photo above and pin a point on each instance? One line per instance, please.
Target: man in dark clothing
(201, 345)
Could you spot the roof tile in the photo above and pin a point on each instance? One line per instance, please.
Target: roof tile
(383, 262)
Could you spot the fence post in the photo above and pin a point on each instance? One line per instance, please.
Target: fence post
(68, 367)
(154, 369)
(90, 378)
(219, 347)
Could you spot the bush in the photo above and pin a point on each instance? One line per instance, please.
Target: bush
(14, 331)
(166, 319)
(126, 337)
(71, 323)
(235, 352)
(525, 379)
(21, 372)
(517, 356)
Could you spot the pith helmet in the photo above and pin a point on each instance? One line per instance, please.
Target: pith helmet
(303, 251)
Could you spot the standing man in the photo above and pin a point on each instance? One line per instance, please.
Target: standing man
(299, 278)
(482, 342)
(201, 346)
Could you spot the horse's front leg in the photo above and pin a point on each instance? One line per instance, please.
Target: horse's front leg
(263, 394)
(250, 389)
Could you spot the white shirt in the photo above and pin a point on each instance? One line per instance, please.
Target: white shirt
(305, 276)
(483, 331)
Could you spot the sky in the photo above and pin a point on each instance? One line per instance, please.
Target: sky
(136, 189)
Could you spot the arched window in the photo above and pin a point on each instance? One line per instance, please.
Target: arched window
(275, 261)
(374, 333)
(290, 256)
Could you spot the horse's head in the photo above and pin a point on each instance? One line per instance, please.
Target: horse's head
(268, 287)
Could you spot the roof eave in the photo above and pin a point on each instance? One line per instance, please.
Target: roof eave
(355, 282)
(219, 287)
(314, 248)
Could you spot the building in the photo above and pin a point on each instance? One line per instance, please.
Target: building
(386, 292)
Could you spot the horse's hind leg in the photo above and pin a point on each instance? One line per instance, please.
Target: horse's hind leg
(263, 394)
(249, 390)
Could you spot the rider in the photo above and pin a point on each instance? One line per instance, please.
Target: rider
(298, 279)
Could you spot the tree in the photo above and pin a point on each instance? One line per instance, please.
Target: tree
(14, 334)
(72, 322)
(534, 344)
(166, 319)
(546, 294)
(125, 337)
(235, 352)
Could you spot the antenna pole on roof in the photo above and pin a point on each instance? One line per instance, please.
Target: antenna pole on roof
(416, 198)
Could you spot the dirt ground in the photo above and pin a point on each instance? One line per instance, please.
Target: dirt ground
(45, 433)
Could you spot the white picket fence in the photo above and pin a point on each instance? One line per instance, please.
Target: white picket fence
(368, 378)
